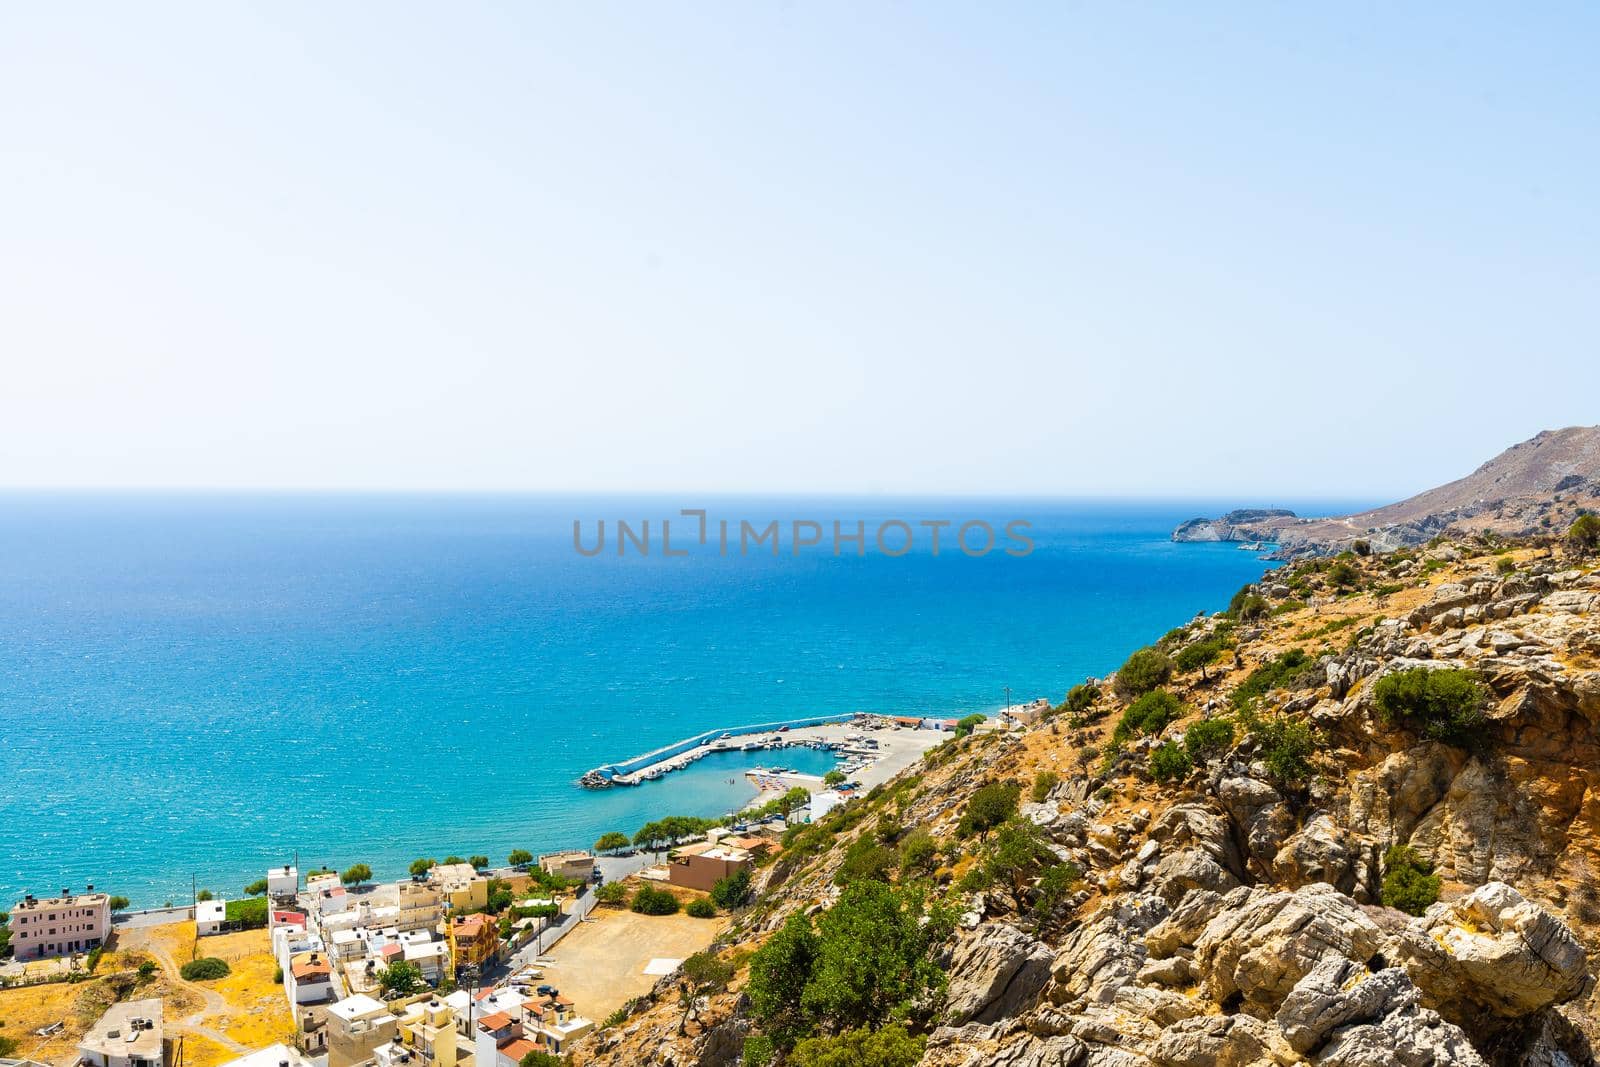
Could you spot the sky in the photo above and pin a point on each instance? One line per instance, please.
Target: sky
(1058, 248)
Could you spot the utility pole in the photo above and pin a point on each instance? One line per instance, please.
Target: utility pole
(1008, 700)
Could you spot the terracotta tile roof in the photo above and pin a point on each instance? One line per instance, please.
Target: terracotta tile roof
(311, 966)
(498, 1021)
(515, 1050)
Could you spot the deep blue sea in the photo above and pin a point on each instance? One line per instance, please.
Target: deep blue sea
(209, 684)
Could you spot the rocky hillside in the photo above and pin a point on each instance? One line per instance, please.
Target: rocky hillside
(1529, 489)
(1352, 822)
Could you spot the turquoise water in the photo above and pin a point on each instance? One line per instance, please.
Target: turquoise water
(211, 684)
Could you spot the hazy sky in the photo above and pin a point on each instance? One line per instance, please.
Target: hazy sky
(1054, 248)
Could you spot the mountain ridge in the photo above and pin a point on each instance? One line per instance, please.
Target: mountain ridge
(1536, 486)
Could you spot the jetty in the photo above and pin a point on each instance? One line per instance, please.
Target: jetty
(653, 765)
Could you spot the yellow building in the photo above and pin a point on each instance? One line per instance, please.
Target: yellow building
(462, 887)
(473, 941)
(427, 1030)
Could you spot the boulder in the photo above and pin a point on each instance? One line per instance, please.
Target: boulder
(996, 972)
(1261, 949)
(1320, 851)
(1492, 951)
(1264, 820)
(1212, 1041)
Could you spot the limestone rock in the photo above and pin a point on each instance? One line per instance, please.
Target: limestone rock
(1261, 949)
(996, 972)
(1212, 1041)
(1495, 950)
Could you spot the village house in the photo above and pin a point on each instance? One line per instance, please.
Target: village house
(460, 885)
(357, 1027)
(500, 1041)
(209, 915)
(129, 1034)
(309, 978)
(573, 864)
(421, 906)
(283, 884)
(474, 940)
(59, 926)
(701, 866)
(425, 1036)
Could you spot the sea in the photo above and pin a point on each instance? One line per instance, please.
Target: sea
(196, 686)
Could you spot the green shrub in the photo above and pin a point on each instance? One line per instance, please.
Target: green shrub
(1286, 747)
(256, 888)
(968, 723)
(1408, 881)
(988, 807)
(147, 970)
(1055, 884)
(865, 858)
(731, 892)
(1248, 605)
(1505, 565)
(652, 901)
(1343, 575)
(1145, 670)
(1584, 534)
(701, 908)
(1285, 671)
(204, 969)
(1043, 782)
(890, 1046)
(1170, 763)
(1150, 714)
(611, 893)
(1080, 698)
(1444, 705)
(1208, 739)
(917, 853)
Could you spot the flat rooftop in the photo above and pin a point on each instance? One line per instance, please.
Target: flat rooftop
(132, 1028)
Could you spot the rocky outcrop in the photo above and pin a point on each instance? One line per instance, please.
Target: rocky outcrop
(996, 971)
(1242, 524)
(1493, 951)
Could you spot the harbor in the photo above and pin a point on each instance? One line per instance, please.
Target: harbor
(870, 748)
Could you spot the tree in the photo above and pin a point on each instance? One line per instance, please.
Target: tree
(401, 979)
(873, 961)
(256, 888)
(988, 807)
(833, 778)
(119, 903)
(520, 857)
(865, 858)
(478, 862)
(1081, 697)
(1198, 656)
(779, 971)
(890, 1046)
(702, 974)
(1583, 536)
(1016, 850)
(358, 873)
(540, 1058)
(420, 867)
(1145, 670)
(917, 853)
(968, 723)
(1150, 714)
(451, 861)
(731, 892)
(205, 894)
(611, 841)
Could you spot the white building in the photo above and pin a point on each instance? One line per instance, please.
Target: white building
(127, 1035)
(309, 978)
(59, 926)
(824, 802)
(209, 915)
(283, 883)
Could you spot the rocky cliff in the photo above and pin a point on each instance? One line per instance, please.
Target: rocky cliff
(1529, 489)
(1355, 822)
